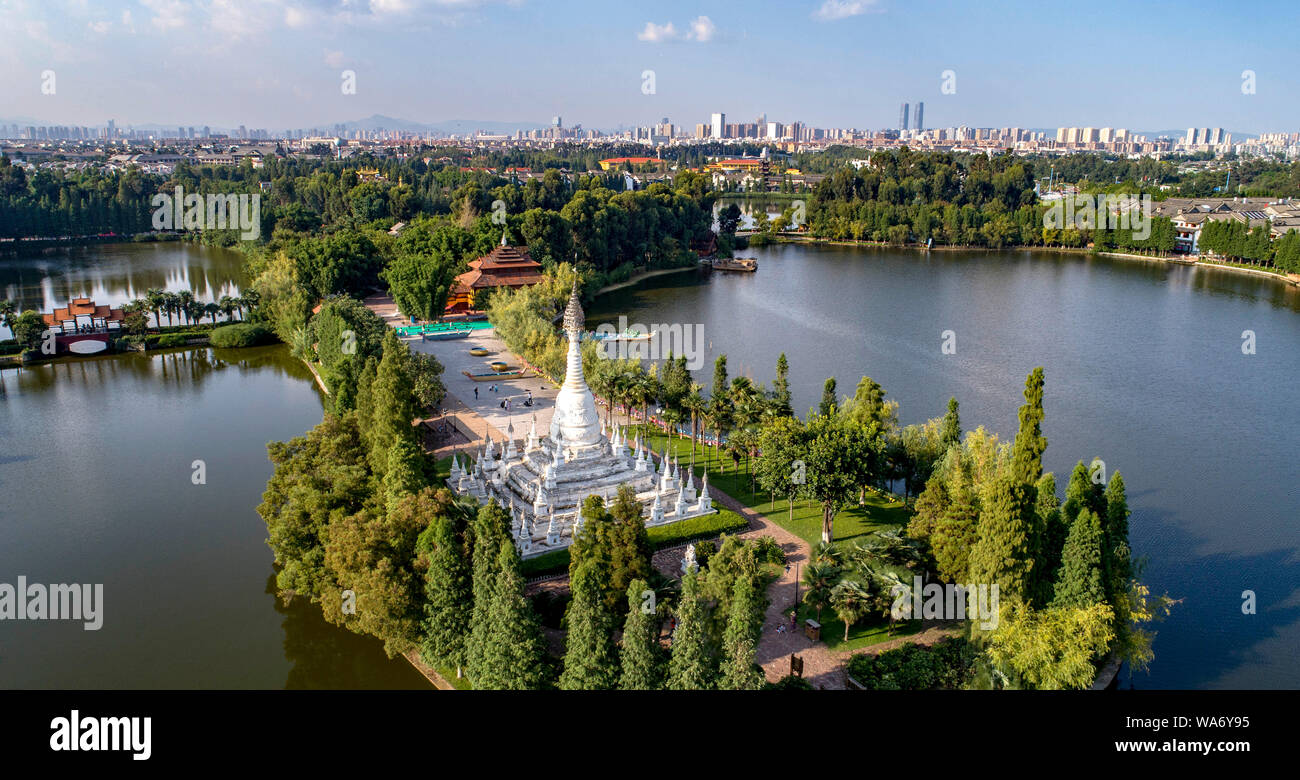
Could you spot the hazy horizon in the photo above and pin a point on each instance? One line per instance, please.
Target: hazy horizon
(279, 64)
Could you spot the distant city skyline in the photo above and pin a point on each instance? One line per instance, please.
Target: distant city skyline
(279, 64)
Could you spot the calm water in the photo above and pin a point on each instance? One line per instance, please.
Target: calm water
(1144, 369)
(114, 274)
(95, 468)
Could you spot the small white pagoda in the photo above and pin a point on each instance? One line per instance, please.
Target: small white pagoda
(543, 485)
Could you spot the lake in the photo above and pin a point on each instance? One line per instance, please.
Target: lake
(1144, 369)
(115, 274)
(96, 465)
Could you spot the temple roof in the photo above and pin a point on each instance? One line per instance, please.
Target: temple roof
(82, 307)
(505, 265)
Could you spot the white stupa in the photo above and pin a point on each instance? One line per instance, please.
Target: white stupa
(545, 482)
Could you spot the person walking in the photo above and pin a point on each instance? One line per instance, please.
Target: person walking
(475, 392)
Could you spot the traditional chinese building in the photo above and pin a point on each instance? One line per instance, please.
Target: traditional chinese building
(504, 266)
(84, 327)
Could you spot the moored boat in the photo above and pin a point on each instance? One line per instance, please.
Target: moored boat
(748, 264)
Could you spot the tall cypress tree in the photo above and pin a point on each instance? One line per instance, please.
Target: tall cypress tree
(1027, 449)
(1117, 553)
(642, 657)
(955, 530)
(1055, 531)
(491, 532)
(1083, 579)
(692, 667)
(950, 429)
(630, 548)
(590, 661)
(828, 405)
(448, 594)
(1077, 493)
(740, 639)
(393, 398)
(781, 399)
(1003, 553)
(514, 653)
(405, 473)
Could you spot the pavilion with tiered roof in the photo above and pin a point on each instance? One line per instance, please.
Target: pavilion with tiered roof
(504, 266)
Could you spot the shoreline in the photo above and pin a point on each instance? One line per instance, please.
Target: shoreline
(640, 277)
(1288, 279)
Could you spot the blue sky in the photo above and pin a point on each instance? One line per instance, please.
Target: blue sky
(278, 63)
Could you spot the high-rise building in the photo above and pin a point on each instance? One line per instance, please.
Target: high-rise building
(902, 117)
(719, 125)
(920, 117)
(557, 122)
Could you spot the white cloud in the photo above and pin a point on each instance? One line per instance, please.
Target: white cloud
(334, 59)
(99, 28)
(702, 29)
(841, 9)
(654, 33)
(390, 6)
(294, 17)
(168, 14)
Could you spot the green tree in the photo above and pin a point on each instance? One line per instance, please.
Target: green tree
(951, 427)
(1052, 649)
(829, 403)
(491, 532)
(1082, 581)
(590, 658)
(851, 602)
(692, 666)
(514, 651)
(781, 399)
(1003, 553)
(394, 403)
(642, 658)
(448, 596)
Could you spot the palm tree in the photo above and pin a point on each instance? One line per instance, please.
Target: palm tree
(156, 300)
(694, 404)
(852, 602)
(8, 312)
(185, 303)
(673, 417)
(826, 552)
(640, 391)
(170, 306)
(819, 579)
(212, 310)
(227, 306)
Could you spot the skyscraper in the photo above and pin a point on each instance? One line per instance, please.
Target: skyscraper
(719, 125)
(920, 117)
(902, 117)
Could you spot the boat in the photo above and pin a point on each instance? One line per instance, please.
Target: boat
(488, 376)
(627, 335)
(748, 264)
(447, 335)
(478, 352)
(499, 365)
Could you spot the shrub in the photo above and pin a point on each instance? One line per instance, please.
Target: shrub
(167, 340)
(944, 665)
(789, 683)
(241, 334)
(769, 551)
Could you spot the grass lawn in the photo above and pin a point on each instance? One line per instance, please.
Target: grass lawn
(879, 513)
(449, 674)
(864, 633)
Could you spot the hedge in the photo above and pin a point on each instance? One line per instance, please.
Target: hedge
(241, 334)
(661, 536)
